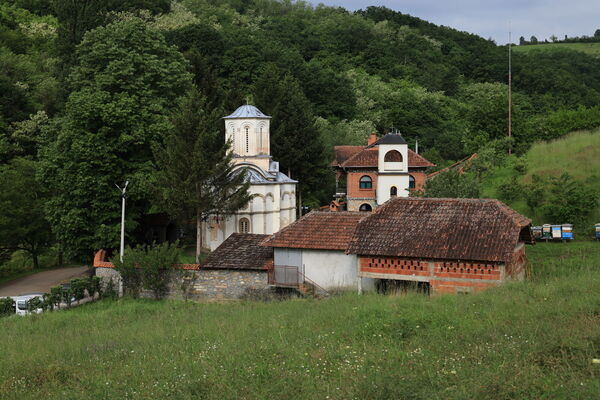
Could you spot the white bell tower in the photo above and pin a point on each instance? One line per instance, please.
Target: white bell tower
(248, 129)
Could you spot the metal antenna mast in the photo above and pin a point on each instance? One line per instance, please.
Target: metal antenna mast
(509, 87)
(122, 190)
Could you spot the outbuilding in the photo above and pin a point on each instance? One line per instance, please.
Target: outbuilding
(448, 245)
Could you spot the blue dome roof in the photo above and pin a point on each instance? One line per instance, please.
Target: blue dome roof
(247, 111)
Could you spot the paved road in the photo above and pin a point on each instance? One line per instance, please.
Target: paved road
(40, 282)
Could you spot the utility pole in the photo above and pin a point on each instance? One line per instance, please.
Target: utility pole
(123, 190)
(509, 88)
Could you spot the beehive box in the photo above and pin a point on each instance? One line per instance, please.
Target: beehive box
(556, 232)
(567, 231)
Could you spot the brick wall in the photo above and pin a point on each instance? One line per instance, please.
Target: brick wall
(420, 177)
(443, 276)
(353, 182)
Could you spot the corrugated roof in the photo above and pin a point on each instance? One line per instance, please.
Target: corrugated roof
(449, 229)
(318, 230)
(240, 251)
(247, 111)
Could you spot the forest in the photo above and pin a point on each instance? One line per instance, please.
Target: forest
(88, 89)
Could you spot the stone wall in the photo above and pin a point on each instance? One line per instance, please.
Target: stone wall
(207, 284)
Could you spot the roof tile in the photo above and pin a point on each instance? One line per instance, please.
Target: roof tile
(240, 251)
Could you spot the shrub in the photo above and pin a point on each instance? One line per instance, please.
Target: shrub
(55, 297)
(78, 287)
(33, 304)
(131, 275)
(6, 307)
(67, 296)
(157, 263)
(95, 286)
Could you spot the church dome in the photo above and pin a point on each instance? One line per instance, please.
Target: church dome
(247, 111)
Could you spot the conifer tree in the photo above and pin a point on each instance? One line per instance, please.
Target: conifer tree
(295, 141)
(195, 174)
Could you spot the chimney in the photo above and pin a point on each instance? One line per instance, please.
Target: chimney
(372, 139)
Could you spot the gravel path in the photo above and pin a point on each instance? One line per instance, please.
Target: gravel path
(40, 282)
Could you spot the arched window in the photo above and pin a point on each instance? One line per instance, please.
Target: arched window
(365, 207)
(244, 225)
(247, 139)
(366, 182)
(411, 182)
(393, 191)
(393, 156)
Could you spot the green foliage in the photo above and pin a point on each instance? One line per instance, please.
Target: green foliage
(158, 266)
(124, 86)
(78, 288)
(195, 172)
(568, 200)
(6, 307)
(23, 225)
(148, 267)
(452, 184)
(129, 270)
(67, 296)
(56, 294)
(34, 304)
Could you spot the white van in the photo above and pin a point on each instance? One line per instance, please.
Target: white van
(21, 303)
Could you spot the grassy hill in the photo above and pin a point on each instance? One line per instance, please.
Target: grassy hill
(534, 339)
(592, 49)
(577, 154)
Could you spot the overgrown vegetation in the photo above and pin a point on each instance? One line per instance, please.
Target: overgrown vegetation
(533, 339)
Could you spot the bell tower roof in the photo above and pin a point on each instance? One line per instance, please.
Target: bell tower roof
(247, 111)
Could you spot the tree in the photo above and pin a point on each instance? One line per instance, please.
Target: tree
(533, 40)
(23, 225)
(452, 184)
(522, 41)
(125, 84)
(195, 173)
(295, 140)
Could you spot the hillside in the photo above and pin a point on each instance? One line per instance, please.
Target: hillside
(534, 339)
(577, 154)
(592, 49)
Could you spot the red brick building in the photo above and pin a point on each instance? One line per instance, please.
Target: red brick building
(368, 176)
(450, 245)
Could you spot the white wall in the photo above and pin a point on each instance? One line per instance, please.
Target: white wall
(330, 269)
(385, 183)
(393, 166)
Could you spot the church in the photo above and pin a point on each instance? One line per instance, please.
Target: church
(274, 194)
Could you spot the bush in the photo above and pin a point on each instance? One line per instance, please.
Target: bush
(56, 294)
(157, 267)
(33, 304)
(78, 287)
(131, 275)
(109, 291)
(6, 307)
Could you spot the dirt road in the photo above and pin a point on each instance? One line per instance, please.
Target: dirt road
(40, 282)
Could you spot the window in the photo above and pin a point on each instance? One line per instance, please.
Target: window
(393, 156)
(244, 225)
(365, 207)
(366, 182)
(393, 191)
(247, 140)
(411, 182)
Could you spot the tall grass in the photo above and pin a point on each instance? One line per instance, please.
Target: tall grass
(527, 340)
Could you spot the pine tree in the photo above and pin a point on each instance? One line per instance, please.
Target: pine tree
(295, 140)
(195, 174)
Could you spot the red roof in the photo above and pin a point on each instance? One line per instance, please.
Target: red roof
(361, 156)
(450, 229)
(318, 230)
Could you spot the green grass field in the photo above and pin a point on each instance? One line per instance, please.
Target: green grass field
(577, 154)
(592, 49)
(528, 340)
